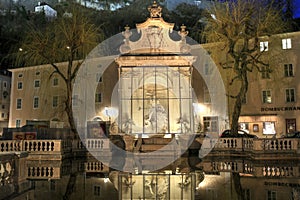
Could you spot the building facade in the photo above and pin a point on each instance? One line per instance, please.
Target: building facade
(167, 86)
(5, 89)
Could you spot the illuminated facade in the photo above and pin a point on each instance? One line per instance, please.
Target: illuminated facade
(272, 103)
(160, 90)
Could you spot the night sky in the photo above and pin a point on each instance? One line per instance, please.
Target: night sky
(297, 8)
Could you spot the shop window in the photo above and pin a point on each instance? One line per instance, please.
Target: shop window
(266, 96)
(269, 128)
(290, 125)
(286, 43)
(290, 95)
(244, 126)
(288, 70)
(264, 46)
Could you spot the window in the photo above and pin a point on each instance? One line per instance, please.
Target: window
(35, 102)
(266, 96)
(20, 85)
(99, 77)
(2, 115)
(246, 193)
(288, 70)
(18, 123)
(52, 185)
(244, 126)
(264, 46)
(206, 96)
(207, 69)
(286, 43)
(4, 84)
(75, 100)
(20, 75)
(55, 82)
(269, 128)
(55, 101)
(3, 106)
(98, 98)
(271, 195)
(36, 83)
(290, 95)
(210, 124)
(97, 190)
(19, 104)
(37, 73)
(265, 72)
(290, 125)
(244, 100)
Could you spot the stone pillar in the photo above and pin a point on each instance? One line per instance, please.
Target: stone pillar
(129, 142)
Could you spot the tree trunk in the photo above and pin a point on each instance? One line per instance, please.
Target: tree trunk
(238, 102)
(68, 108)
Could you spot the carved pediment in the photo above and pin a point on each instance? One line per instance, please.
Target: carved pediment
(155, 36)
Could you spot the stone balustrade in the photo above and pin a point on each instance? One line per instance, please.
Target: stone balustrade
(280, 144)
(35, 145)
(97, 144)
(229, 166)
(45, 172)
(272, 170)
(279, 171)
(96, 166)
(259, 145)
(10, 145)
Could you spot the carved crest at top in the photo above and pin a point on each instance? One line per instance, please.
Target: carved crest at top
(155, 10)
(154, 36)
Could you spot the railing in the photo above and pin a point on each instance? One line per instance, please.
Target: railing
(35, 145)
(273, 170)
(230, 166)
(280, 144)
(42, 172)
(96, 166)
(259, 145)
(10, 145)
(97, 144)
(282, 171)
(229, 143)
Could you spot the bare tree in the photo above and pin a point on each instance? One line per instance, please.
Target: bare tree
(69, 38)
(238, 26)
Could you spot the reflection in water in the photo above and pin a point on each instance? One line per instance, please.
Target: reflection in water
(187, 178)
